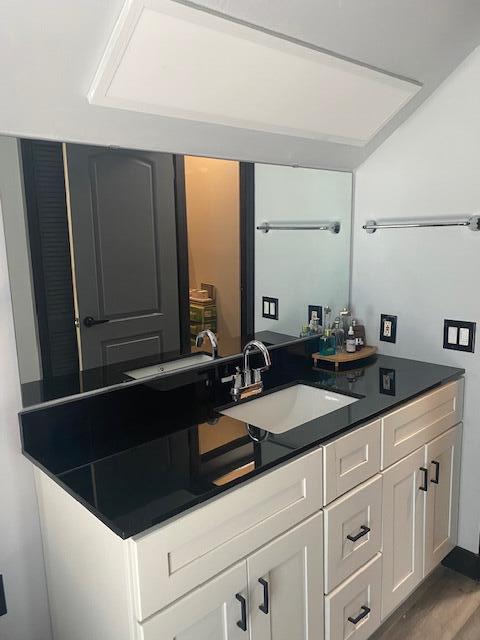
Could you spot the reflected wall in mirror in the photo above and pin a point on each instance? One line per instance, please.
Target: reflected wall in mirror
(119, 258)
(301, 267)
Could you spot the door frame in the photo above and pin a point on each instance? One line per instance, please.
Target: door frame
(182, 253)
(32, 213)
(247, 250)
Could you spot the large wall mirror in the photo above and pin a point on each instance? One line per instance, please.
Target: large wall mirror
(119, 258)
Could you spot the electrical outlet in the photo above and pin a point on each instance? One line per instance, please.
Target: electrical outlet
(318, 309)
(388, 328)
(270, 308)
(387, 381)
(3, 603)
(459, 335)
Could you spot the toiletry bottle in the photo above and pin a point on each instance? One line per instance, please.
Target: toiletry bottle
(350, 342)
(359, 331)
(345, 319)
(305, 331)
(327, 312)
(314, 326)
(327, 343)
(339, 334)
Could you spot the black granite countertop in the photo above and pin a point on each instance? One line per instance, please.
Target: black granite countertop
(138, 456)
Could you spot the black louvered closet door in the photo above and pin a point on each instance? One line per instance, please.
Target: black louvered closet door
(50, 255)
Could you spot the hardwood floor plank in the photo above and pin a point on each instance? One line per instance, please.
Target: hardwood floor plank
(471, 630)
(440, 610)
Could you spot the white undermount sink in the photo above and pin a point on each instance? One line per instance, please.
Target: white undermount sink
(166, 367)
(286, 409)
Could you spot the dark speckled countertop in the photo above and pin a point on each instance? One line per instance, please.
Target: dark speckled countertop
(138, 456)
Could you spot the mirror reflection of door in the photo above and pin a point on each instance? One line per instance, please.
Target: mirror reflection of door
(212, 194)
(118, 237)
(121, 206)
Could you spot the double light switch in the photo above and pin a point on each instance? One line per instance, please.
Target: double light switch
(459, 335)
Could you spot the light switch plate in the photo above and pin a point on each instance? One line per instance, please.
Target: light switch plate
(270, 308)
(388, 328)
(459, 335)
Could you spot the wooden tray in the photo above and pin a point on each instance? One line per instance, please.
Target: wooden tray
(343, 358)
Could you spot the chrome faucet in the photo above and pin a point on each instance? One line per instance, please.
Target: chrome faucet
(206, 333)
(244, 384)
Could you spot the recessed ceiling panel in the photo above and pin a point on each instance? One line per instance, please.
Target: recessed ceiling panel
(174, 60)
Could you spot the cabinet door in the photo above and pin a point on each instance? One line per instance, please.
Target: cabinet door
(441, 518)
(403, 511)
(285, 584)
(216, 611)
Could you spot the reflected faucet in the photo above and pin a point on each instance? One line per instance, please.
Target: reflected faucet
(206, 333)
(243, 385)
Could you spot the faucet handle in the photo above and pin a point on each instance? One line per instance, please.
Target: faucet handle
(237, 378)
(257, 374)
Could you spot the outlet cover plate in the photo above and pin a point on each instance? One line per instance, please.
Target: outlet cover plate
(270, 308)
(388, 328)
(459, 335)
(318, 309)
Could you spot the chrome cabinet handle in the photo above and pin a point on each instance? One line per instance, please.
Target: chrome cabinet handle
(363, 532)
(242, 623)
(361, 616)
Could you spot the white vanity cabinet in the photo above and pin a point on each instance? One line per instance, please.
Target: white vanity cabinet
(323, 547)
(420, 513)
(277, 592)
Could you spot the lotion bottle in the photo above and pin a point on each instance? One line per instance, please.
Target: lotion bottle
(351, 343)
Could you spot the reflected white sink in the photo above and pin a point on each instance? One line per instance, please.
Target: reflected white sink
(173, 365)
(286, 409)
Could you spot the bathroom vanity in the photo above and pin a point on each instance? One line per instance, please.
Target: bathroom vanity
(198, 526)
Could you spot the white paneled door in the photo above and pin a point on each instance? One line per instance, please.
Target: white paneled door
(216, 611)
(443, 461)
(285, 585)
(404, 486)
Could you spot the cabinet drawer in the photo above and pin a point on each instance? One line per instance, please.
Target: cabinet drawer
(174, 558)
(418, 422)
(357, 599)
(358, 515)
(351, 459)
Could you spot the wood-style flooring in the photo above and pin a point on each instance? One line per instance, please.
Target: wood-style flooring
(445, 607)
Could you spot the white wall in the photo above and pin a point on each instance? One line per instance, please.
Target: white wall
(301, 267)
(431, 167)
(21, 558)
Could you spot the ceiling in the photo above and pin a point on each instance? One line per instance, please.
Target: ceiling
(49, 53)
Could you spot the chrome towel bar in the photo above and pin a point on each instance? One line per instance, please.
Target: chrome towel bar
(333, 227)
(473, 223)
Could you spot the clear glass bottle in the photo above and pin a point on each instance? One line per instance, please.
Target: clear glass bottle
(339, 334)
(345, 316)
